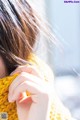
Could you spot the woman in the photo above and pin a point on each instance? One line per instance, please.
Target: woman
(19, 31)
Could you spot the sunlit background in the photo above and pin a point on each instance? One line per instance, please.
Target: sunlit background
(64, 59)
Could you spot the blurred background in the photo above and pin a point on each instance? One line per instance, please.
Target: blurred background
(64, 59)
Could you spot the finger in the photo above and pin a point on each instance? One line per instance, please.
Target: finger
(25, 86)
(30, 69)
(22, 78)
(25, 100)
(22, 95)
(18, 69)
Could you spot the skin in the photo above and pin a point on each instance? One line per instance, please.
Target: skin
(3, 70)
(37, 105)
(29, 80)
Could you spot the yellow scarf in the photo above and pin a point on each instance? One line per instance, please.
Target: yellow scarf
(57, 111)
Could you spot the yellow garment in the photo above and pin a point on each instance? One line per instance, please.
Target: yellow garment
(57, 111)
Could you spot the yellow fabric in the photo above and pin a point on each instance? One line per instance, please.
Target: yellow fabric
(57, 110)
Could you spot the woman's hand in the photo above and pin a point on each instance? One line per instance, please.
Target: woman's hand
(37, 105)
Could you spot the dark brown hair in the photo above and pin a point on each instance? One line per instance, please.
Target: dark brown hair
(19, 29)
(18, 32)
